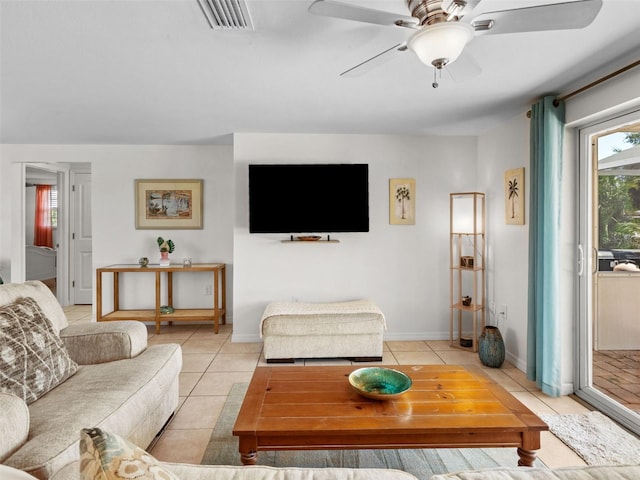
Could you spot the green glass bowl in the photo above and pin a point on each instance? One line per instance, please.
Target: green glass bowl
(379, 383)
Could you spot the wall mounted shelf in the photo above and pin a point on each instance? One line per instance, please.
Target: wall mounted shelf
(310, 239)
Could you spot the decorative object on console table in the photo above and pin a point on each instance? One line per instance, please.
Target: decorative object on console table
(144, 261)
(491, 347)
(170, 204)
(514, 196)
(166, 247)
(402, 201)
(467, 248)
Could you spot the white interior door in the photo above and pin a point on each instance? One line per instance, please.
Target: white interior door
(81, 239)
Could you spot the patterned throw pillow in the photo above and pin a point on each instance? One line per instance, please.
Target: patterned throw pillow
(106, 456)
(33, 359)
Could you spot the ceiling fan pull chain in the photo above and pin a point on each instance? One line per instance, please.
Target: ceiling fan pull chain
(435, 77)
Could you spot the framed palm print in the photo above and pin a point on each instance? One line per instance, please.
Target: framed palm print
(402, 201)
(514, 196)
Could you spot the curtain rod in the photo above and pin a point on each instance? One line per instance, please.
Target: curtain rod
(557, 101)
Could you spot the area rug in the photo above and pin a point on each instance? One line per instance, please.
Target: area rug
(595, 438)
(422, 463)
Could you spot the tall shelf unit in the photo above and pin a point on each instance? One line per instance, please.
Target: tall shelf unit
(467, 268)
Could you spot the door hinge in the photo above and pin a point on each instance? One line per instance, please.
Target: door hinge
(73, 283)
(73, 236)
(73, 188)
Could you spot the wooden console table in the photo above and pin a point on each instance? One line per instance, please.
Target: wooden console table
(217, 313)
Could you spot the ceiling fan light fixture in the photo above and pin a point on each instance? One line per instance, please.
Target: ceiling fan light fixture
(441, 43)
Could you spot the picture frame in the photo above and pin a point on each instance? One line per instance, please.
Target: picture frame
(168, 204)
(466, 261)
(402, 201)
(514, 196)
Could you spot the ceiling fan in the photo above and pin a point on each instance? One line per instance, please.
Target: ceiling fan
(442, 28)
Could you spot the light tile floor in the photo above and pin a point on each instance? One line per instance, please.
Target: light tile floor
(212, 363)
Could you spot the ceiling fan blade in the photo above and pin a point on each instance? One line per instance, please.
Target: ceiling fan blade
(374, 61)
(558, 16)
(330, 8)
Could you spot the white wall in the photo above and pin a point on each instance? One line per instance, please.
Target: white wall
(115, 239)
(404, 269)
(501, 149)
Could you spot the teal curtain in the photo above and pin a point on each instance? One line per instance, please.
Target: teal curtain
(543, 335)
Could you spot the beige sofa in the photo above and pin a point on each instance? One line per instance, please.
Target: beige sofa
(222, 472)
(623, 472)
(121, 384)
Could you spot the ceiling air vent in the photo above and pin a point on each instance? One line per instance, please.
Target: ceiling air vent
(226, 14)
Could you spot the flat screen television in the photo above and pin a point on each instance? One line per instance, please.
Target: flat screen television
(308, 198)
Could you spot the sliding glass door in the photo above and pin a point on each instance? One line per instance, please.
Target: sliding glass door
(609, 280)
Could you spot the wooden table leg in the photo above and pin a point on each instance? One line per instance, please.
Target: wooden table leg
(116, 291)
(98, 295)
(216, 310)
(527, 457)
(248, 448)
(170, 292)
(223, 274)
(157, 313)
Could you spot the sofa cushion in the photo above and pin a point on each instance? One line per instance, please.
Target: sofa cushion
(106, 456)
(259, 472)
(89, 343)
(11, 292)
(618, 472)
(14, 424)
(323, 324)
(8, 473)
(33, 359)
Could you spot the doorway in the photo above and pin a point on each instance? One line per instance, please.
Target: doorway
(609, 333)
(73, 241)
(41, 231)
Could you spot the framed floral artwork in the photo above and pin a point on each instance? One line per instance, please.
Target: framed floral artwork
(514, 196)
(168, 204)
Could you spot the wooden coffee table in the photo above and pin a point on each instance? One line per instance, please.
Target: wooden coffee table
(448, 406)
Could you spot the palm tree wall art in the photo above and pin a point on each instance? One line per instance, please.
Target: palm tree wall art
(514, 196)
(402, 201)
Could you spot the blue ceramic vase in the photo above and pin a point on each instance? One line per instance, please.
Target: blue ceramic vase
(491, 347)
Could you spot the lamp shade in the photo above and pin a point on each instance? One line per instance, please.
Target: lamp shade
(441, 43)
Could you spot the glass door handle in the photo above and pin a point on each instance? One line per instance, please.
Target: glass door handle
(580, 260)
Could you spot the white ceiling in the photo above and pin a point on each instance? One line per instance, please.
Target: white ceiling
(153, 72)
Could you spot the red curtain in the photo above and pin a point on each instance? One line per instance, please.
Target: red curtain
(43, 233)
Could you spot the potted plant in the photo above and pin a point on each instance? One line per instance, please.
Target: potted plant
(166, 247)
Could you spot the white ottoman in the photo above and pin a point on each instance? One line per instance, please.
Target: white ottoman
(352, 330)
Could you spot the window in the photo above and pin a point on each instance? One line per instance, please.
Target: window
(53, 206)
